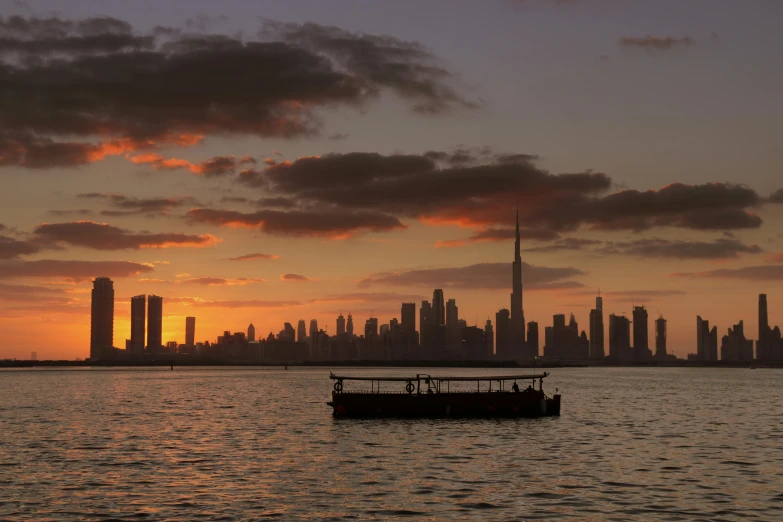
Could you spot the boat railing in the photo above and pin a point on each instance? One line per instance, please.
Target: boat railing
(426, 383)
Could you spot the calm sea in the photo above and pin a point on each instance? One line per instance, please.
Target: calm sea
(249, 444)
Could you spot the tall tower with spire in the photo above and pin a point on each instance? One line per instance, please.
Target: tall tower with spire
(517, 313)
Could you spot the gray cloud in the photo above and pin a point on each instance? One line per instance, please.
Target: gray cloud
(100, 236)
(294, 277)
(132, 205)
(479, 276)
(748, 273)
(72, 270)
(681, 249)
(656, 43)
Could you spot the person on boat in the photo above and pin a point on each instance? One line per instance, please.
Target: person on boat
(515, 387)
(529, 388)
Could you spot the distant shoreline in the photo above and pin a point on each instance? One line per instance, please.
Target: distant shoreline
(388, 364)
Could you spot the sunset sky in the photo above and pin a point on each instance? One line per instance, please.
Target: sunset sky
(265, 162)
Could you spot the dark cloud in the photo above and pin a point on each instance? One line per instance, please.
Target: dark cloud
(294, 277)
(253, 257)
(100, 236)
(214, 167)
(278, 202)
(777, 196)
(100, 78)
(566, 243)
(681, 249)
(656, 43)
(749, 273)
(480, 276)
(11, 248)
(84, 212)
(131, 205)
(30, 293)
(72, 270)
(406, 68)
(332, 223)
(483, 195)
(234, 199)
(632, 296)
(505, 234)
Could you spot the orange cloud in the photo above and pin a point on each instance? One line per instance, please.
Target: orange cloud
(449, 243)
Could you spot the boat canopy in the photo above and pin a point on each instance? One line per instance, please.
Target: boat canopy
(422, 376)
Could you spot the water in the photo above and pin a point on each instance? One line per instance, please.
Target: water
(250, 444)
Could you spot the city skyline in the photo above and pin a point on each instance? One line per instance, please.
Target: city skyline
(347, 186)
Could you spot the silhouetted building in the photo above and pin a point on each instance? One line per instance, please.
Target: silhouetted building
(138, 322)
(384, 329)
(287, 334)
(769, 346)
(597, 330)
(489, 335)
(371, 328)
(563, 341)
(349, 326)
(154, 324)
(531, 345)
(426, 329)
(102, 318)
(438, 308)
(517, 311)
(474, 344)
(504, 344)
(190, 331)
(619, 338)
(660, 338)
(641, 336)
(301, 331)
(453, 330)
(340, 325)
(735, 347)
(706, 341)
(251, 333)
(408, 317)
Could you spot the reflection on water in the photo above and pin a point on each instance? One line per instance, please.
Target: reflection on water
(237, 444)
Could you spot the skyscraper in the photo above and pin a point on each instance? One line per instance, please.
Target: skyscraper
(190, 331)
(154, 324)
(102, 318)
(301, 331)
(517, 312)
(138, 317)
(349, 325)
(702, 338)
(489, 335)
(313, 327)
(660, 338)
(438, 308)
(251, 333)
(619, 337)
(641, 335)
(503, 341)
(371, 328)
(531, 344)
(408, 317)
(597, 330)
(340, 325)
(764, 330)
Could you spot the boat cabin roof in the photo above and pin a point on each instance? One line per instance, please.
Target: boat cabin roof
(421, 376)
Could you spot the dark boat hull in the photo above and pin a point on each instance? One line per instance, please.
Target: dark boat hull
(439, 405)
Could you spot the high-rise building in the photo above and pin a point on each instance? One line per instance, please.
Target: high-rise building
(489, 335)
(563, 341)
(517, 312)
(452, 314)
(619, 338)
(371, 328)
(251, 333)
(301, 331)
(340, 325)
(438, 308)
(597, 330)
(641, 336)
(735, 347)
(660, 338)
(154, 324)
(408, 317)
(349, 325)
(531, 344)
(504, 344)
(313, 328)
(763, 317)
(138, 318)
(102, 318)
(190, 331)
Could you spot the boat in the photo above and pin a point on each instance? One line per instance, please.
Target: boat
(427, 396)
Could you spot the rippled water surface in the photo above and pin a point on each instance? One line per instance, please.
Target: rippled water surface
(249, 444)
